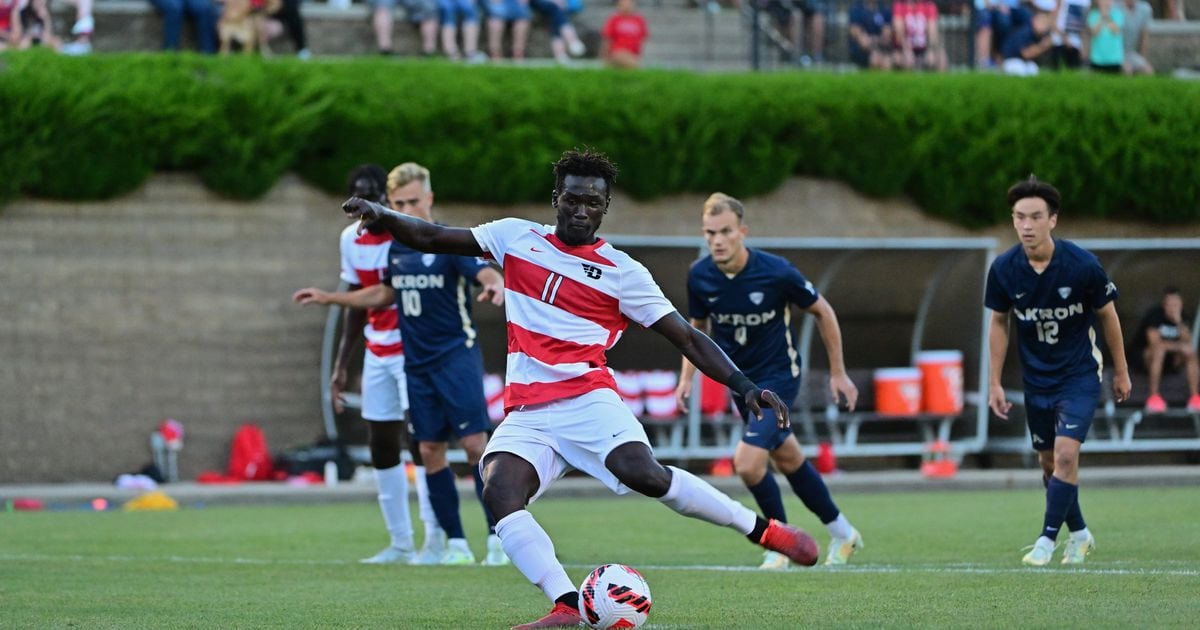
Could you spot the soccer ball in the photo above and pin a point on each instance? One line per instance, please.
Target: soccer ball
(614, 596)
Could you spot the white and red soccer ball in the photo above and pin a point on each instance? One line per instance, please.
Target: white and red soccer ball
(614, 596)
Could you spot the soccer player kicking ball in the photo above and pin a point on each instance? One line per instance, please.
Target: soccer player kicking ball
(1057, 292)
(569, 296)
(744, 294)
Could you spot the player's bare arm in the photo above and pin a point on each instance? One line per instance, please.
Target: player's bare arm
(374, 296)
(831, 335)
(997, 349)
(704, 353)
(353, 320)
(1106, 316)
(418, 234)
(688, 371)
(493, 286)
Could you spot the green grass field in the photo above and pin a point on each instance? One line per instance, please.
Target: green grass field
(949, 559)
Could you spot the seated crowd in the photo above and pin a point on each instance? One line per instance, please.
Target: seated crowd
(250, 25)
(1018, 37)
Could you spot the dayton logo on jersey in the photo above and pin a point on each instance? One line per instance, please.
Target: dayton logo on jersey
(419, 281)
(592, 271)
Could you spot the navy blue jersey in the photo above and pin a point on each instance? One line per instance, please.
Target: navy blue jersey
(434, 297)
(748, 313)
(1055, 312)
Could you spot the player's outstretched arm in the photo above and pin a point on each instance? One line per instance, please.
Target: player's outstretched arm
(374, 296)
(1111, 323)
(831, 336)
(687, 372)
(710, 359)
(420, 235)
(997, 348)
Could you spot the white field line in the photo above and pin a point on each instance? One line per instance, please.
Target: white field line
(957, 568)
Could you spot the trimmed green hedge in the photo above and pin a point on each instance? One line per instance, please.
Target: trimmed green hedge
(91, 128)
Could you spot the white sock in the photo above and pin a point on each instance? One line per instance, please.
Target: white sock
(393, 502)
(1042, 541)
(1080, 535)
(839, 527)
(532, 552)
(691, 496)
(428, 516)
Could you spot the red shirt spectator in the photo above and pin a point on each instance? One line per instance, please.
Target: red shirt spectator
(624, 33)
(917, 17)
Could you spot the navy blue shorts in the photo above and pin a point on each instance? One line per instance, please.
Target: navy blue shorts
(765, 433)
(448, 398)
(1067, 412)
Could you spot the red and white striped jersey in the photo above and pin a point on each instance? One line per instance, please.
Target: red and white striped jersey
(364, 261)
(565, 307)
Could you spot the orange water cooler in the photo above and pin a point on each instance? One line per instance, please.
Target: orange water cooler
(897, 391)
(941, 381)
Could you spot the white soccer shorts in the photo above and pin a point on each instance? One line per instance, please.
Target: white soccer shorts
(384, 392)
(576, 432)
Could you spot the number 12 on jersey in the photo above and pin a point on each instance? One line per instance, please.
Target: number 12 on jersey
(1047, 332)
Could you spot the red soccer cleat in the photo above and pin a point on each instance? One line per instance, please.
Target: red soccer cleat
(561, 616)
(791, 542)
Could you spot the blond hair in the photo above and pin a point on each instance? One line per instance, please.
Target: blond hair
(719, 202)
(407, 173)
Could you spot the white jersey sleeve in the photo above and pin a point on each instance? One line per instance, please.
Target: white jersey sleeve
(494, 237)
(345, 244)
(641, 298)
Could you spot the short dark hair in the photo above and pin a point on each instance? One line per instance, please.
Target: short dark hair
(584, 163)
(1033, 188)
(372, 172)
(1171, 290)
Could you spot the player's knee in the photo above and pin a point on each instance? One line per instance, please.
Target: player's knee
(1064, 464)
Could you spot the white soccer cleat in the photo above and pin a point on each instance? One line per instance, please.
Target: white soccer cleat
(774, 561)
(1077, 550)
(1039, 554)
(840, 549)
(495, 554)
(457, 553)
(391, 555)
(433, 549)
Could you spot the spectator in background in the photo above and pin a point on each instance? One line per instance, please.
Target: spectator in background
(499, 12)
(204, 18)
(32, 25)
(916, 28)
(1108, 46)
(421, 13)
(1166, 343)
(871, 35)
(994, 20)
(82, 30)
(10, 23)
(1137, 22)
(815, 13)
(287, 17)
(624, 33)
(1025, 44)
(564, 40)
(451, 12)
(1070, 17)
